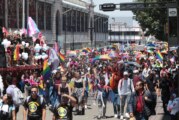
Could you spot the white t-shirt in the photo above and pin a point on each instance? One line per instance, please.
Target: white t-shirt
(174, 106)
(125, 87)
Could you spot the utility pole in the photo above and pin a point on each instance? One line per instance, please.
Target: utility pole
(23, 14)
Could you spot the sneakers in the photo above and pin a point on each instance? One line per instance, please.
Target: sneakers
(115, 116)
(121, 117)
(127, 115)
(86, 106)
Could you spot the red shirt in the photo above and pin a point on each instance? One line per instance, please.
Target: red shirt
(140, 104)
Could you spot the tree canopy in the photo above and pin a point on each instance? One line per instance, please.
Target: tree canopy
(153, 20)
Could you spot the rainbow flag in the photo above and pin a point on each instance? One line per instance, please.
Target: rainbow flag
(61, 56)
(46, 70)
(16, 53)
(89, 87)
(159, 55)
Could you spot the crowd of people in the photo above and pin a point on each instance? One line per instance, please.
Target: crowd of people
(131, 80)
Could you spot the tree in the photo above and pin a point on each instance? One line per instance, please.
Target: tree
(153, 20)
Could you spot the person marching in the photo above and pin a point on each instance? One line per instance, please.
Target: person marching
(34, 106)
(64, 110)
(79, 89)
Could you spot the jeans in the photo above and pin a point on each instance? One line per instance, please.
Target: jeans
(101, 107)
(116, 104)
(53, 95)
(124, 100)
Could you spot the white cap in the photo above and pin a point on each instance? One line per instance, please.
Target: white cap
(135, 71)
(125, 73)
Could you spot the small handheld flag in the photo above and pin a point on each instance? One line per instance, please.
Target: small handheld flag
(159, 55)
(46, 70)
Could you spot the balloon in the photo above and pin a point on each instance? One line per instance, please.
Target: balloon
(27, 44)
(24, 56)
(37, 48)
(23, 43)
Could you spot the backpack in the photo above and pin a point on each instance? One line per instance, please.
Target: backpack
(41, 99)
(18, 98)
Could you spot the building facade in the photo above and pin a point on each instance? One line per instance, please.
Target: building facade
(122, 33)
(73, 23)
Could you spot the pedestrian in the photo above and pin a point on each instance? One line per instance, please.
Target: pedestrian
(64, 87)
(173, 106)
(7, 111)
(102, 96)
(138, 108)
(125, 89)
(15, 92)
(34, 106)
(136, 77)
(63, 111)
(79, 90)
(165, 86)
(146, 71)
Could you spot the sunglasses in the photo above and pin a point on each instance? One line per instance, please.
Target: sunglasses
(33, 92)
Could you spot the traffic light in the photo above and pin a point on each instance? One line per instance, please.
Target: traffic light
(107, 7)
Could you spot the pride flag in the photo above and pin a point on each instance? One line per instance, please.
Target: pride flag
(55, 47)
(46, 70)
(16, 52)
(86, 50)
(159, 55)
(89, 87)
(32, 27)
(61, 56)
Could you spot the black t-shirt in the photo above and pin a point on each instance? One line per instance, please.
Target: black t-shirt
(35, 107)
(63, 112)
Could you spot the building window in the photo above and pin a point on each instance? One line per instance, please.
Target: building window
(41, 15)
(12, 14)
(74, 19)
(82, 22)
(48, 16)
(100, 25)
(64, 20)
(2, 10)
(32, 9)
(86, 22)
(69, 21)
(78, 21)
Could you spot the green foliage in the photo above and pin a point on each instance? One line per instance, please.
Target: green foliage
(152, 20)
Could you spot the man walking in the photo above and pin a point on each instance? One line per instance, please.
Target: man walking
(34, 106)
(125, 89)
(139, 102)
